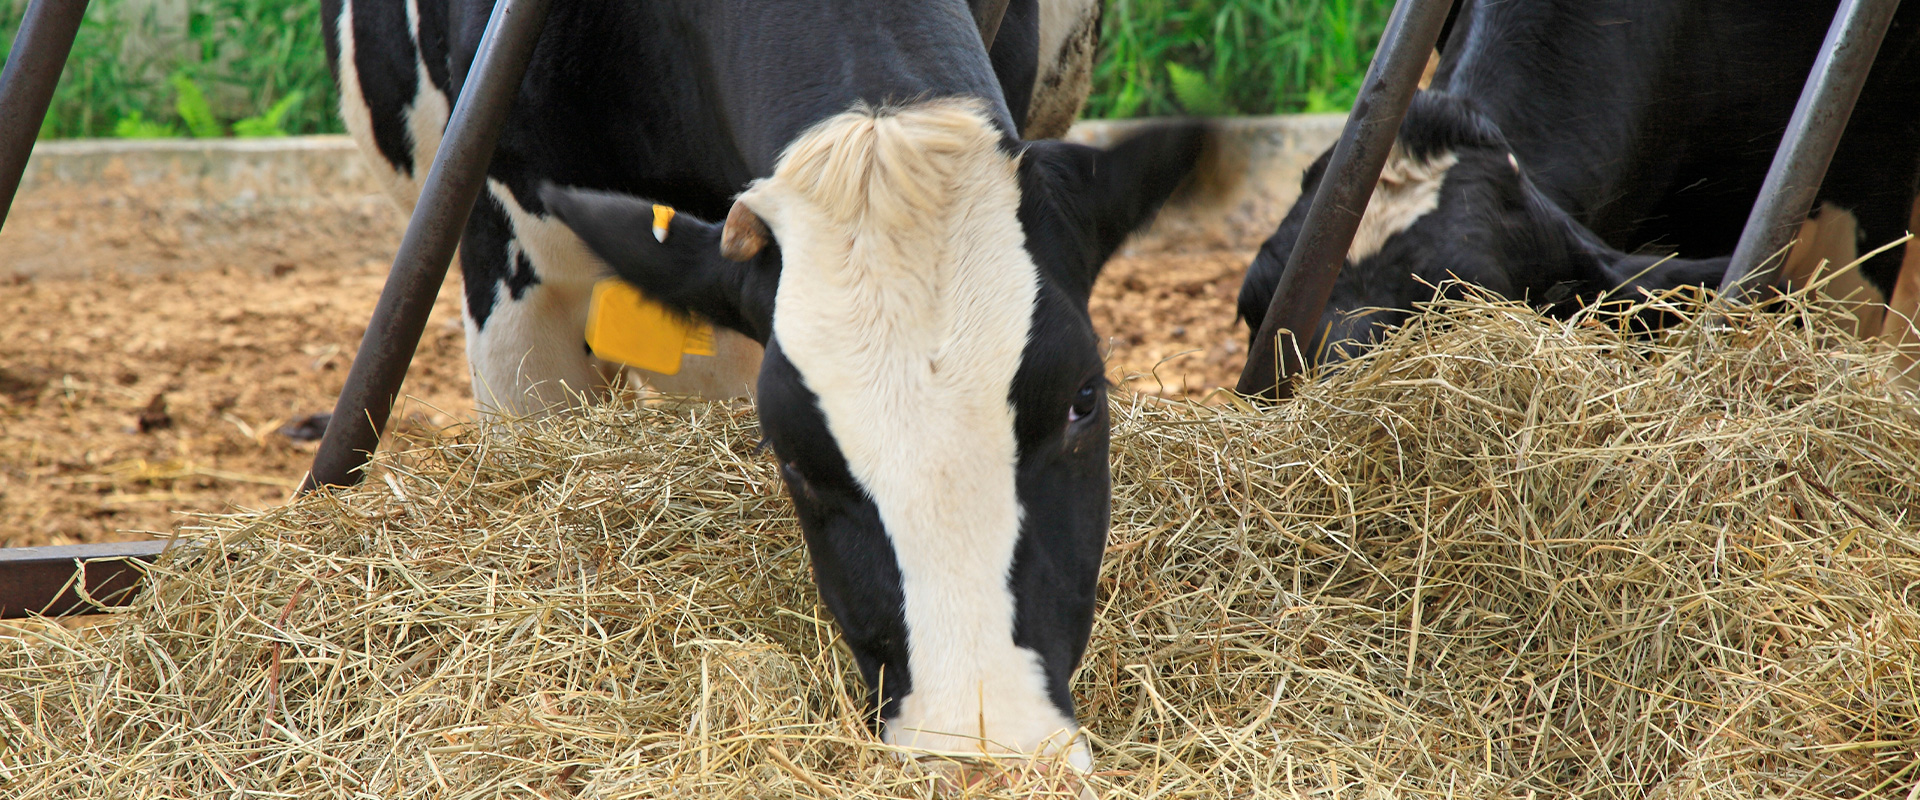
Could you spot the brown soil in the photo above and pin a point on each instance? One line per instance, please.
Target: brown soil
(137, 398)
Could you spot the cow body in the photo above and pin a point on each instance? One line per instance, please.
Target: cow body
(915, 275)
(678, 101)
(1648, 125)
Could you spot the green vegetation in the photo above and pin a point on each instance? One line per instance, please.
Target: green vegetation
(158, 68)
(1233, 56)
(146, 68)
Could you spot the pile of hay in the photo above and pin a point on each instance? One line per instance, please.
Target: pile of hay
(1498, 557)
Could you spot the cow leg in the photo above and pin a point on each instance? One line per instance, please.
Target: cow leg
(389, 101)
(527, 285)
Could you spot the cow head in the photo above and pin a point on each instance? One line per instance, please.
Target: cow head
(1453, 204)
(932, 388)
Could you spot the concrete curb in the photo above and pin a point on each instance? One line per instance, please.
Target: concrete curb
(208, 189)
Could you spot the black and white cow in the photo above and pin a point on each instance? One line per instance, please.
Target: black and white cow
(1559, 133)
(917, 273)
(626, 96)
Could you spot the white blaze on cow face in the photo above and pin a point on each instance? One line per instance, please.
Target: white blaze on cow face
(904, 303)
(1409, 188)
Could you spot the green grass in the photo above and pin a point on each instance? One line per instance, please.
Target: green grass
(144, 68)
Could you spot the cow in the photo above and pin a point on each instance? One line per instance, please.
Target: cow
(1562, 142)
(917, 275)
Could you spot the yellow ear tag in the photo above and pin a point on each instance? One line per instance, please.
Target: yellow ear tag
(624, 326)
(661, 216)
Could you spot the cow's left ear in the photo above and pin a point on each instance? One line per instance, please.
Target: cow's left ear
(1108, 194)
(677, 258)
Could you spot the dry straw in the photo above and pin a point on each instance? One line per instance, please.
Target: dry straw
(1499, 556)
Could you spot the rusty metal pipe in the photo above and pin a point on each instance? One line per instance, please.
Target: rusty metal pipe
(1294, 312)
(439, 219)
(50, 580)
(1813, 133)
(39, 53)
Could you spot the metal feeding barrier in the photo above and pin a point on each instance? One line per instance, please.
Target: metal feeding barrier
(1293, 317)
(66, 580)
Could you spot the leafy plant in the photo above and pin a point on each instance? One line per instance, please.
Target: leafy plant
(243, 57)
(268, 124)
(137, 126)
(1194, 93)
(192, 106)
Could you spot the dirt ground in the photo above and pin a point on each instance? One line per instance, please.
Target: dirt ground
(173, 380)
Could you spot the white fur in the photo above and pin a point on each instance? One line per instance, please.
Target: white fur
(1407, 191)
(906, 313)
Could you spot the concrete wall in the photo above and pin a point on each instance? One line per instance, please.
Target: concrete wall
(164, 205)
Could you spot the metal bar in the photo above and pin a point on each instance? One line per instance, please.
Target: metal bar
(1812, 135)
(1294, 312)
(459, 170)
(47, 580)
(39, 53)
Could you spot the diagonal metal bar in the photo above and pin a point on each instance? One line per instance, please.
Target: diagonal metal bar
(39, 53)
(1354, 169)
(48, 580)
(459, 170)
(1807, 149)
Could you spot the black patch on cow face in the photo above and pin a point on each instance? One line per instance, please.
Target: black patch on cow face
(853, 562)
(1493, 229)
(1061, 423)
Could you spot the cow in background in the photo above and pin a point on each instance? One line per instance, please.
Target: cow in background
(1574, 133)
(623, 96)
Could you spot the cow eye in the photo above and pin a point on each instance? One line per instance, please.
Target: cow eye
(1086, 401)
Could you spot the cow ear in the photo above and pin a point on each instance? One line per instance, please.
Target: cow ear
(1108, 194)
(673, 257)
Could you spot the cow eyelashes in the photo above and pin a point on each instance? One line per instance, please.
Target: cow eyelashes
(1085, 402)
